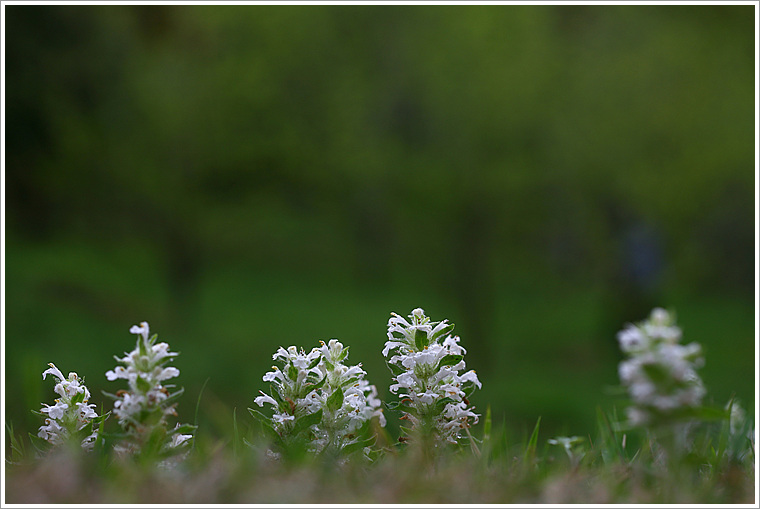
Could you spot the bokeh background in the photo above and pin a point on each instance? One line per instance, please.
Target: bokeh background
(246, 177)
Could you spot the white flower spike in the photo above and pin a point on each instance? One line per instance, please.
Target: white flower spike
(143, 409)
(71, 416)
(334, 400)
(659, 373)
(427, 362)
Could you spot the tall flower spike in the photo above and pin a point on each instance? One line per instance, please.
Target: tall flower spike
(318, 395)
(428, 363)
(143, 409)
(72, 417)
(659, 373)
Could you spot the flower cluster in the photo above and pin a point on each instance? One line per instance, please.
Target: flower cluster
(318, 394)
(427, 361)
(659, 373)
(71, 417)
(142, 410)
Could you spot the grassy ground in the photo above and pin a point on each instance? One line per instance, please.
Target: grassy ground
(489, 468)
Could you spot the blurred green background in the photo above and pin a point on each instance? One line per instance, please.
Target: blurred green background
(246, 177)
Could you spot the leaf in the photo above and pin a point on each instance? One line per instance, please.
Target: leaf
(101, 418)
(420, 339)
(38, 443)
(335, 400)
(141, 346)
(314, 363)
(265, 421)
(358, 445)
(396, 369)
(143, 385)
(292, 372)
(442, 333)
(306, 422)
(110, 396)
(350, 382)
(183, 429)
(449, 360)
(392, 405)
(307, 388)
(172, 398)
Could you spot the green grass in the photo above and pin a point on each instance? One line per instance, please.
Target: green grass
(492, 466)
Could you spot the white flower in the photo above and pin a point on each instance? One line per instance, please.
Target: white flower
(71, 413)
(143, 330)
(57, 411)
(260, 400)
(53, 371)
(431, 381)
(659, 373)
(319, 381)
(142, 407)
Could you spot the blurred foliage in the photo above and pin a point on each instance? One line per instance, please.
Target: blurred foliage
(245, 177)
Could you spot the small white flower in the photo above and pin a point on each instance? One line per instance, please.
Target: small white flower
(143, 330)
(53, 371)
(281, 418)
(260, 400)
(57, 411)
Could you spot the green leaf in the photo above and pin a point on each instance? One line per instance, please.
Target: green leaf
(392, 405)
(335, 400)
(350, 382)
(101, 418)
(449, 360)
(343, 354)
(420, 339)
(306, 422)
(184, 429)
(396, 369)
(141, 347)
(442, 333)
(172, 398)
(143, 385)
(292, 372)
(314, 363)
(38, 443)
(110, 396)
(265, 421)
(358, 445)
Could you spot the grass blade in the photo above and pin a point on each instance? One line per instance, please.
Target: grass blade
(530, 450)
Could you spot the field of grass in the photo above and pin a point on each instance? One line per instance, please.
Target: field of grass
(491, 467)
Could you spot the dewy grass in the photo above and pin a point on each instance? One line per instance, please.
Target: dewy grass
(321, 440)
